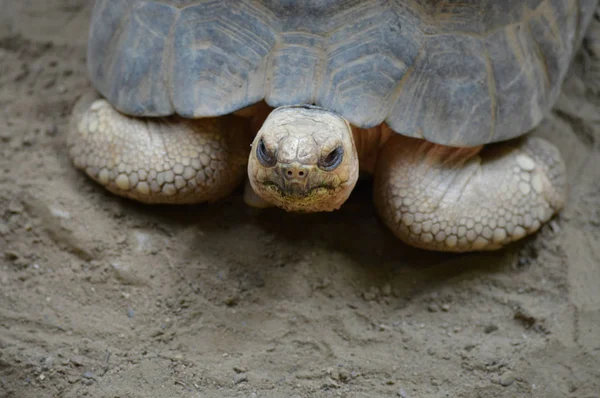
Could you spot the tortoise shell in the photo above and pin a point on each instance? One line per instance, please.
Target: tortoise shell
(458, 73)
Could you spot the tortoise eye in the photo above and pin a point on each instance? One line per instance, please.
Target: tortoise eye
(265, 157)
(333, 159)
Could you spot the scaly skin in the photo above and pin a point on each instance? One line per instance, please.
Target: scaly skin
(465, 199)
(431, 196)
(170, 160)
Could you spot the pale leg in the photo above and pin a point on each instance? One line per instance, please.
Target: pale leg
(159, 160)
(451, 199)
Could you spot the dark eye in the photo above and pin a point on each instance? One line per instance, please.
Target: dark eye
(265, 157)
(333, 159)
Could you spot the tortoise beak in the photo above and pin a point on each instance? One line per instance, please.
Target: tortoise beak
(296, 190)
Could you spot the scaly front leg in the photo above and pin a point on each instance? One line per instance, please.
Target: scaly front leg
(166, 160)
(467, 199)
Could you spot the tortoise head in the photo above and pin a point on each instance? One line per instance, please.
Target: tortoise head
(304, 159)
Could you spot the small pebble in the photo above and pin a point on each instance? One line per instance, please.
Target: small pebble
(402, 393)
(240, 378)
(125, 274)
(11, 255)
(15, 207)
(130, 312)
(433, 307)
(490, 328)
(445, 307)
(372, 294)
(554, 226)
(48, 362)
(330, 383)
(507, 379)
(73, 379)
(343, 374)
(50, 83)
(88, 375)
(232, 300)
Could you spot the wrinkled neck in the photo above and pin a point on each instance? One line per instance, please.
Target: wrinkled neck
(368, 144)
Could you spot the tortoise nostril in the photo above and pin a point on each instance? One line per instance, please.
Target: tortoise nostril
(293, 172)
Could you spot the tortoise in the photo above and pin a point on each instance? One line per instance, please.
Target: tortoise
(432, 98)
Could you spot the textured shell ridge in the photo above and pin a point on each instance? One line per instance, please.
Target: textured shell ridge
(455, 73)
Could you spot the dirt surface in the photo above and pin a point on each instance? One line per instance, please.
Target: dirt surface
(104, 297)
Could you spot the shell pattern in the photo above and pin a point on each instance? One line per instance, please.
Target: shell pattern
(454, 72)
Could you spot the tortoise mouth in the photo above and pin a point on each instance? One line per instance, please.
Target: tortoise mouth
(301, 198)
(297, 191)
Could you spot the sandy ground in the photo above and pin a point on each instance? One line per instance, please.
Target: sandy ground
(104, 297)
